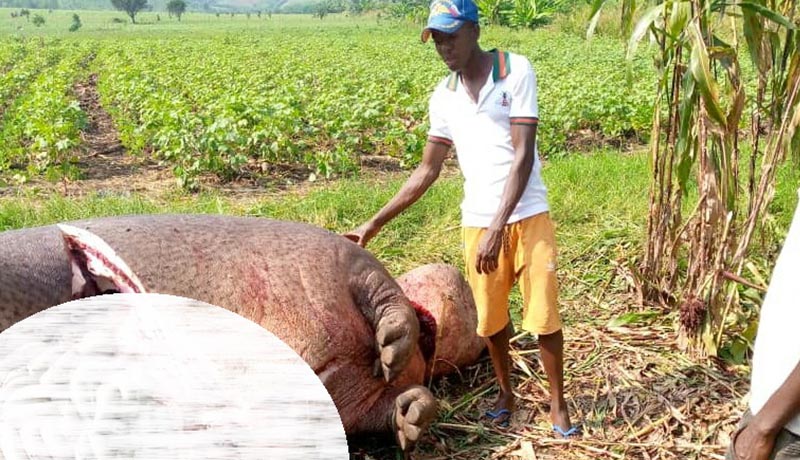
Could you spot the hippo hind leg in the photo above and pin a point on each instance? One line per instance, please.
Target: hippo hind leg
(396, 336)
(406, 412)
(413, 411)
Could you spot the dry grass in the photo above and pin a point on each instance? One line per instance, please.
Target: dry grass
(635, 394)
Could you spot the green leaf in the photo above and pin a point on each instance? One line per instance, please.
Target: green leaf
(594, 17)
(699, 66)
(641, 28)
(750, 333)
(686, 137)
(631, 318)
(738, 350)
(753, 30)
(772, 15)
(679, 17)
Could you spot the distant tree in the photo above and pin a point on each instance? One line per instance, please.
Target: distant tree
(325, 7)
(176, 7)
(38, 20)
(26, 13)
(130, 6)
(76, 23)
(357, 7)
(320, 10)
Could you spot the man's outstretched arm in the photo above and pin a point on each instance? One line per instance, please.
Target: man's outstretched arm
(433, 156)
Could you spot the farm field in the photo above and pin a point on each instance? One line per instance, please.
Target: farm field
(209, 98)
(320, 121)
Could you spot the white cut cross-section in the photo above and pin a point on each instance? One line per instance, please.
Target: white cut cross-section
(152, 376)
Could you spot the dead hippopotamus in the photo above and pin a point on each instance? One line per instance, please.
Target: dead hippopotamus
(371, 343)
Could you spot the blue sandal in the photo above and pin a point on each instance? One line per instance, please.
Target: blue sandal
(496, 415)
(566, 434)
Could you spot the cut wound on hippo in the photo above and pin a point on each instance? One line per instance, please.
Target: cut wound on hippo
(427, 330)
(96, 268)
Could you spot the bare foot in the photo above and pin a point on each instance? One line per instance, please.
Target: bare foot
(559, 416)
(503, 407)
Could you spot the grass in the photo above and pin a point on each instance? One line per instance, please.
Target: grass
(598, 202)
(627, 384)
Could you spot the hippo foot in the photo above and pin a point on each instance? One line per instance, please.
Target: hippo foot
(396, 337)
(414, 410)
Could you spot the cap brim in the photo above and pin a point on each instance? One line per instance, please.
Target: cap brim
(446, 25)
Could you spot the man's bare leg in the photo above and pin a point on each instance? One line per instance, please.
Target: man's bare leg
(498, 350)
(552, 349)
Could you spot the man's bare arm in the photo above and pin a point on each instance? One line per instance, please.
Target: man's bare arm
(756, 441)
(523, 138)
(413, 189)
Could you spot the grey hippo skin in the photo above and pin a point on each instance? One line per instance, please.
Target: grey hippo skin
(330, 300)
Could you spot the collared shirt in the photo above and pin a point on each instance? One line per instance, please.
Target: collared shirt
(777, 348)
(481, 134)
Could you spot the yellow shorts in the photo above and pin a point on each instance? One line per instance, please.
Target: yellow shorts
(528, 255)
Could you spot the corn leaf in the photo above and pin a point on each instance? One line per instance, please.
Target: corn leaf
(594, 17)
(687, 137)
(765, 12)
(679, 17)
(641, 28)
(753, 29)
(699, 66)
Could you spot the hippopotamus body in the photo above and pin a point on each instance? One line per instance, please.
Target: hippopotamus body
(371, 339)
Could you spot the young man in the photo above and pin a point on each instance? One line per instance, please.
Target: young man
(487, 108)
(770, 428)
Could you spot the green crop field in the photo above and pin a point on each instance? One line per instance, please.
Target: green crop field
(320, 120)
(223, 95)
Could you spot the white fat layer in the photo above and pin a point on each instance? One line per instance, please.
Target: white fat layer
(106, 273)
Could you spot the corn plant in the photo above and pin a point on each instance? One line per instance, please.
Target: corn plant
(694, 262)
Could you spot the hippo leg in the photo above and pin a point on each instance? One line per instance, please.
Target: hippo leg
(413, 412)
(396, 335)
(406, 412)
(391, 315)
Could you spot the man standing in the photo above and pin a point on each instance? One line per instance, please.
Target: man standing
(487, 108)
(770, 428)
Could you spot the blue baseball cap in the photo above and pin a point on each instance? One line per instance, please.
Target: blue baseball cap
(449, 15)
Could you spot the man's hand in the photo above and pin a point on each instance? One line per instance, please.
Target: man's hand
(489, 251)
(363, 234)
(753, 444)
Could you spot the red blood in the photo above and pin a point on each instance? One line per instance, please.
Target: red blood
(427, 330)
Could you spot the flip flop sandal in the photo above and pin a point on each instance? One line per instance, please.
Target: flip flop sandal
(566, 434)
(496, 415)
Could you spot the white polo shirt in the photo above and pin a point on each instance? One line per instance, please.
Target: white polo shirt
(777, 348)
(481, 134)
